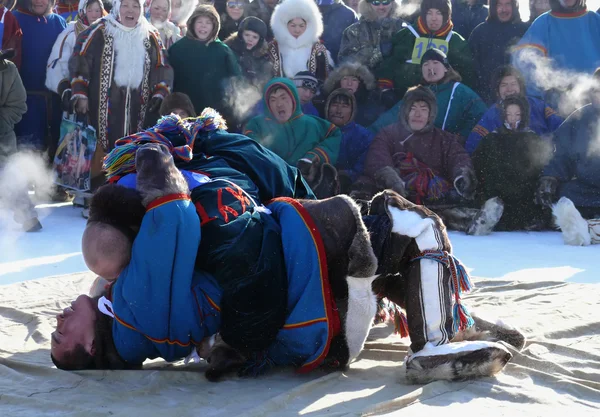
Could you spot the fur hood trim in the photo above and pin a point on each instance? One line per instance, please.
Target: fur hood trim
(291, 9)
(355, 69)
(341, 92)
(207, 11)
(238, 46)
(180, 16)
(367, 13)
(414, 94)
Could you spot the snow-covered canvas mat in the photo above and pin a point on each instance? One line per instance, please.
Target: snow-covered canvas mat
(558, 372)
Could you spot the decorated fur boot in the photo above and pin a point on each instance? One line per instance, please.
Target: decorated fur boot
(576, 231)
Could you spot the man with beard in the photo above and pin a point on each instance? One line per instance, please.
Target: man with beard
(119, 77)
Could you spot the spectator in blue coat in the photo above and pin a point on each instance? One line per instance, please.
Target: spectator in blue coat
(307, 85)
(341, 110)
(543, 120)
(336, 18)
(467, 15)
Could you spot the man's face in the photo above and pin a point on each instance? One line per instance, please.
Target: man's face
(382, 10)
(339, 112)
(434, 19)
(306, 94)
(129, 13)
(418, 116)
(159, 12)
(40, 7)
(74, 326)
(433, 71)
(513, 116)
(505, 10)
(281, 105)
(351, 83)
(509, 86)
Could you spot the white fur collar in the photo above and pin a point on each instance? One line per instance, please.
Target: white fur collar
(290, 9)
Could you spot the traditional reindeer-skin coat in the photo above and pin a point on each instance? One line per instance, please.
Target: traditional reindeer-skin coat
(291, 55)
(119, 70)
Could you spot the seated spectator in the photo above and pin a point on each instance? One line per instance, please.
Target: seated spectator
(204, 84)
(537, 8)
(357, 78)
(433, 29)
(181, 10)
(369, 40)
(574, 171)
(160, 11)
(306, 85)
(292, 135)
(232, 17)
(459, 107)
(336, 18)
(250, 46)
(467, 15)
(508, 81)
(10, 36)
(179, 104)
(263, 9)
(341, 110)
(508, 163)
(426, 165)
(297, 26)
(505, 27)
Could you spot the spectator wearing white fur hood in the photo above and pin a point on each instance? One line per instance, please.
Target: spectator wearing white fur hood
(297, 26)
(158, 13)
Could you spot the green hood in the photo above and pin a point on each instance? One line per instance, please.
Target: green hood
(287, 84)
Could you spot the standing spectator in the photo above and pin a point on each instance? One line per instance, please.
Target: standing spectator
(568, 36)
(537, 8)
(467, 15)
(307, 85)
(297, 26)
(181, 10)
(40, 28)
(341, 110)
(12, 107)
(508, 81)
(336, 18)
(232, 17)
(160, 11)
(58, 79)
(203, 65)
(119, 93)
(505, 27)
(10, 34)
(369, 40)
(357, 78)
(433, 29)
(263, 9)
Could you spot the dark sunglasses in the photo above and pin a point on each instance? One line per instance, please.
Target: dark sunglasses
(379, 2)
(235, 4)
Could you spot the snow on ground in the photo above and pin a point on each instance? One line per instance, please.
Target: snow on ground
(55, 250)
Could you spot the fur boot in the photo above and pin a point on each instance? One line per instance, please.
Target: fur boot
(575, 229)
(487, 218)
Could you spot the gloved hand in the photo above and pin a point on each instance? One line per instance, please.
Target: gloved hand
(81, 105)
(466, 184)
(546, 191)
(388, 178)
(154, 104)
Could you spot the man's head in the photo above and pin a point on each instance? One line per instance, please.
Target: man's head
(253, 31)
(306, 84)
(340, 107)
(505, 10)
(419, 109)
(106, 250)
(41, 7)
(381, 8)
(436, 13)
(434, 66)
(281, 99)
(509, 81)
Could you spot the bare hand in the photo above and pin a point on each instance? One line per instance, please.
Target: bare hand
(81, 105)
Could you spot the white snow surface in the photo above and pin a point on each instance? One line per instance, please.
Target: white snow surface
(520, 256)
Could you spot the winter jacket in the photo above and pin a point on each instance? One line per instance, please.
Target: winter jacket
(302, 136)
(576, 161)
(12, 107)
(569, 39)
(459, 109)
(11, 38)
(369, 40)
(336, 18)
(542, 120)
(404, 73)
(310, 109)
(254, 64)
(508, 165)
(466, 17)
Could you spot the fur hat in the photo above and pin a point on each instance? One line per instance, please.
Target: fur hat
(177, 101)
(444, 6)
(341, 92)
(354, 69)
(205, 10)
(255, 25)
(523, 104)
(505, 71)
(306, 10)
(414, 94)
